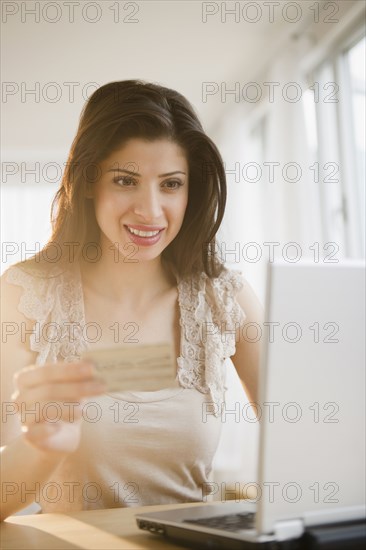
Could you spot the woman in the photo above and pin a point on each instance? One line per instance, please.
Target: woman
(133, 245)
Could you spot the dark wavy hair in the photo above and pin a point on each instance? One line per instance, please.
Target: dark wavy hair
(115, 113)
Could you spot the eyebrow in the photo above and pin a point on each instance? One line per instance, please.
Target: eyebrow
(139, 175)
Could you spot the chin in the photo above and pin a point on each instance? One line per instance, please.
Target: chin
(142, 255)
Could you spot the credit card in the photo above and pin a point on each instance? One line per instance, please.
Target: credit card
(149, 367)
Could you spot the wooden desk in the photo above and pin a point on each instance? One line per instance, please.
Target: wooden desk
(92, 530)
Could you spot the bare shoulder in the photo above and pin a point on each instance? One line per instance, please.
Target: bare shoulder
(10, 295)
(250, 303)
(15, 325)
(247, 350)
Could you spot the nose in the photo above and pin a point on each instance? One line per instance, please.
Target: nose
(148, 204)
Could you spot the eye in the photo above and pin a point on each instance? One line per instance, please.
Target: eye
(124, 181)
(173, 184)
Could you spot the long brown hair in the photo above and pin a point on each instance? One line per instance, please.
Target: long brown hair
(128, 109)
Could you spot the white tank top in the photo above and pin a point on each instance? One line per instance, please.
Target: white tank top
(143, 448)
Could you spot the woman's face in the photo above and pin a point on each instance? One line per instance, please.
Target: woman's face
(141, 197)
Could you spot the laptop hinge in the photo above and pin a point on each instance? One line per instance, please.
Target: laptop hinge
(289, 529)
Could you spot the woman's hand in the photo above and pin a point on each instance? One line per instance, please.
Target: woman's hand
(50, 400)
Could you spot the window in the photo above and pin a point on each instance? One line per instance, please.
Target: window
(335, 114)
(355, 66)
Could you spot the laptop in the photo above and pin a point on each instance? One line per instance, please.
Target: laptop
(311, 470)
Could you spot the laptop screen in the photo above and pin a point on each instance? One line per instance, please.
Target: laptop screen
(312, 401)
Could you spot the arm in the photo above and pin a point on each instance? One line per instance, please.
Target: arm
(20, 461)
(30, 455)
(247, 354)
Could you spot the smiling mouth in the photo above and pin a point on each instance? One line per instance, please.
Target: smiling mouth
(140, 233)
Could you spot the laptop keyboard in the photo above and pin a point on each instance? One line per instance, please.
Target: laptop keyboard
(231, 522)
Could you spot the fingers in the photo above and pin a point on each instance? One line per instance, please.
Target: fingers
(54, 392)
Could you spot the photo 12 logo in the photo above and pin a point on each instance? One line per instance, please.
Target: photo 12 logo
(68, 333)
(70, 12)
(91, 412)
(47, 92)
(53, 253)
(272, 411)
(291, 252)
(269, 12)
(272, 91)
(71, 491)
(272, 491)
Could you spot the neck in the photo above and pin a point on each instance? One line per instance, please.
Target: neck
(123, 280)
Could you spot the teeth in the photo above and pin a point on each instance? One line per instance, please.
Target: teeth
(143, 233)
